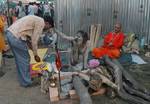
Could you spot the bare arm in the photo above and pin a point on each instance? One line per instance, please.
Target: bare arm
(64, 35)
(38, 28)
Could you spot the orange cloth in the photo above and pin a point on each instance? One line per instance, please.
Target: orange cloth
(2, 40)
(113, 50)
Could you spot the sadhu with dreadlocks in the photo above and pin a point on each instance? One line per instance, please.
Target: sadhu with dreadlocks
(79, 49)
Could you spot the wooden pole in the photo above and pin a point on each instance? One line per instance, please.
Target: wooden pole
(59, 84)
(56, 49)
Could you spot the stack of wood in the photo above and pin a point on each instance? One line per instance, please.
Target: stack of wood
(127, 87)
(114, 76)
(117, 79)
(95, 31)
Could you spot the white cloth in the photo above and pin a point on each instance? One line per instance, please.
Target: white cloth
(137, 59)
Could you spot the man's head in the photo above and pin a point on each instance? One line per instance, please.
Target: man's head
(82, 37)
(49, 22)
(117, 28)
(20, 3)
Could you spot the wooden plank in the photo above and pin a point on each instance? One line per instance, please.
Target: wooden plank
(97, 35)
(91, 28)
(92, 35)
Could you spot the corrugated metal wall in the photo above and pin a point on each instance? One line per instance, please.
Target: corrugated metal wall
(73, 15)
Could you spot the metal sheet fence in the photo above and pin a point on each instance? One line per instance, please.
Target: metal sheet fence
(73, 15)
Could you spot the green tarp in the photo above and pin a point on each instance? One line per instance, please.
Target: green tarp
(12, 5)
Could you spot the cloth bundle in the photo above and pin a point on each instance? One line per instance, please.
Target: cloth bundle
(93, 63)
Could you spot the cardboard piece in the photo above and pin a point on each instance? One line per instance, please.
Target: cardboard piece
(53, 94)
(41, 53)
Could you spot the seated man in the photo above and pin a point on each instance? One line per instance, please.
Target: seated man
(80, 46)
(112, 44)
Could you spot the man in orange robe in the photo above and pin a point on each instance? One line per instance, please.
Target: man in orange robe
(113, 42)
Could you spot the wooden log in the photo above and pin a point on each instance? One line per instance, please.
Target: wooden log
(130, 79)
(133, 99)
(105, 72)
(81, 91)
(117, 72)
(135, 92)
(107, 81)
(122, 92)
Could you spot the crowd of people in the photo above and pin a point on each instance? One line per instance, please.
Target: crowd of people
(33, 8)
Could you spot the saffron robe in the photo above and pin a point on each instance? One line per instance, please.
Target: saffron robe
(2, 40)
(112, 45)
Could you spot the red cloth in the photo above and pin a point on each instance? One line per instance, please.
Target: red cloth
(113, 50)
(58, 61)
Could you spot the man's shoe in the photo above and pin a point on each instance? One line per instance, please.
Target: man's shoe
(34, 84)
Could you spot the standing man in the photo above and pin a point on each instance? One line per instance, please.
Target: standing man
(30, 9)
(46, 9)
(113, 42)
(20, 10)
(25, 33)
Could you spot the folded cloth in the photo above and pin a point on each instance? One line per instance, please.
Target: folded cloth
(137, 59)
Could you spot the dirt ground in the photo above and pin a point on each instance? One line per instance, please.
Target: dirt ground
(12, 93)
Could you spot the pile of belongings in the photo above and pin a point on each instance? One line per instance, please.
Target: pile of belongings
(130, 51)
